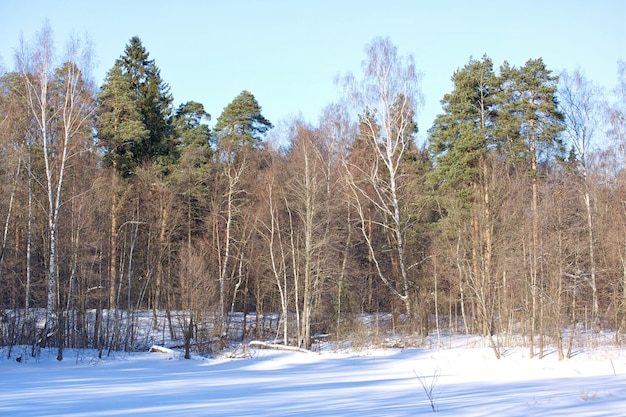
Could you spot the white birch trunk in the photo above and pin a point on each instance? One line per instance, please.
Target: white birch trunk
(58, 119)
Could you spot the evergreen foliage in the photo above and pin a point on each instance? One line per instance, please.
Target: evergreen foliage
(188, 126)
(463, 134)
(241, 122)
(481, 229)
(135, 106)
(119, 124)
(529, 101)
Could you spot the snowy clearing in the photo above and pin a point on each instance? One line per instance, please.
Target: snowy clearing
(459, 381)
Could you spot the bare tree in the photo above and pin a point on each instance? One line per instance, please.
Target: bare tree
(306, 201)
(336, 130)
(580, 104)
(616, 115)
(60, 101)
(234, 166)
(278, 263)
(616, 112)
(387, 99)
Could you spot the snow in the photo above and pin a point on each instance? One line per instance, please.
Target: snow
(464, 381)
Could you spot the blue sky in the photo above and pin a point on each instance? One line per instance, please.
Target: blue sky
(288, 53)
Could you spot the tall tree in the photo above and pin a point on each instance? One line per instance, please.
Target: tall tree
(529, 96)
(240, 130)
(308, 196)
(120, 127)
(133, 127)
(60, 101)
(580, 103)
(133, 119)
(387, 99)
(196, 145)
(241, 122)
(616, 115)
(461, 141)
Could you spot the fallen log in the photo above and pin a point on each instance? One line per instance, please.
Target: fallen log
(275, 346)
(161, 349)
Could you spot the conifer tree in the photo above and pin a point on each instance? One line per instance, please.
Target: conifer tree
(462, 135)
(188, 126)
(529, 98)
(120, 125)
(239, 131)
(241, 122)
(192, 172)
(133, 127)
(133, 123)
(461, 141)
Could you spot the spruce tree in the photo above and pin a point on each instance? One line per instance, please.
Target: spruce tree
(133, 121)
(120, 125)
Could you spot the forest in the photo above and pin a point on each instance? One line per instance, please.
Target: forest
(508, 221)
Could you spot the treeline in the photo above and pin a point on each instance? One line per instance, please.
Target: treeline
(508, 221)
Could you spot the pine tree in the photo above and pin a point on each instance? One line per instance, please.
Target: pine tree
(461, 142)
(241, 122)
(193, 169)
(188, 126)
(463, 134)
(529, 97)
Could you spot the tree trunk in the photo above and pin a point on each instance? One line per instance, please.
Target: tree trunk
(29, 235)
(535, 240)
(156, 302)
(113, 276)
(281, 285)
(592, 262)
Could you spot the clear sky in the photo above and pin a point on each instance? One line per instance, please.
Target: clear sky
(288, 53)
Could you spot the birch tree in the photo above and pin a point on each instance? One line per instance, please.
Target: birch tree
(272, 232)
(387, 100)
(60, 100)
(616, 115)
(306, 200)
(580, 103)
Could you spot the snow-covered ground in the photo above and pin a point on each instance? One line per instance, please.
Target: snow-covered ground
(460, 381)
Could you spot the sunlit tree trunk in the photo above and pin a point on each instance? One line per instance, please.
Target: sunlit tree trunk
(387, 99)
(234, 169)
(59, 118)
(535, 241)
(308, 273)
(278, 268)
